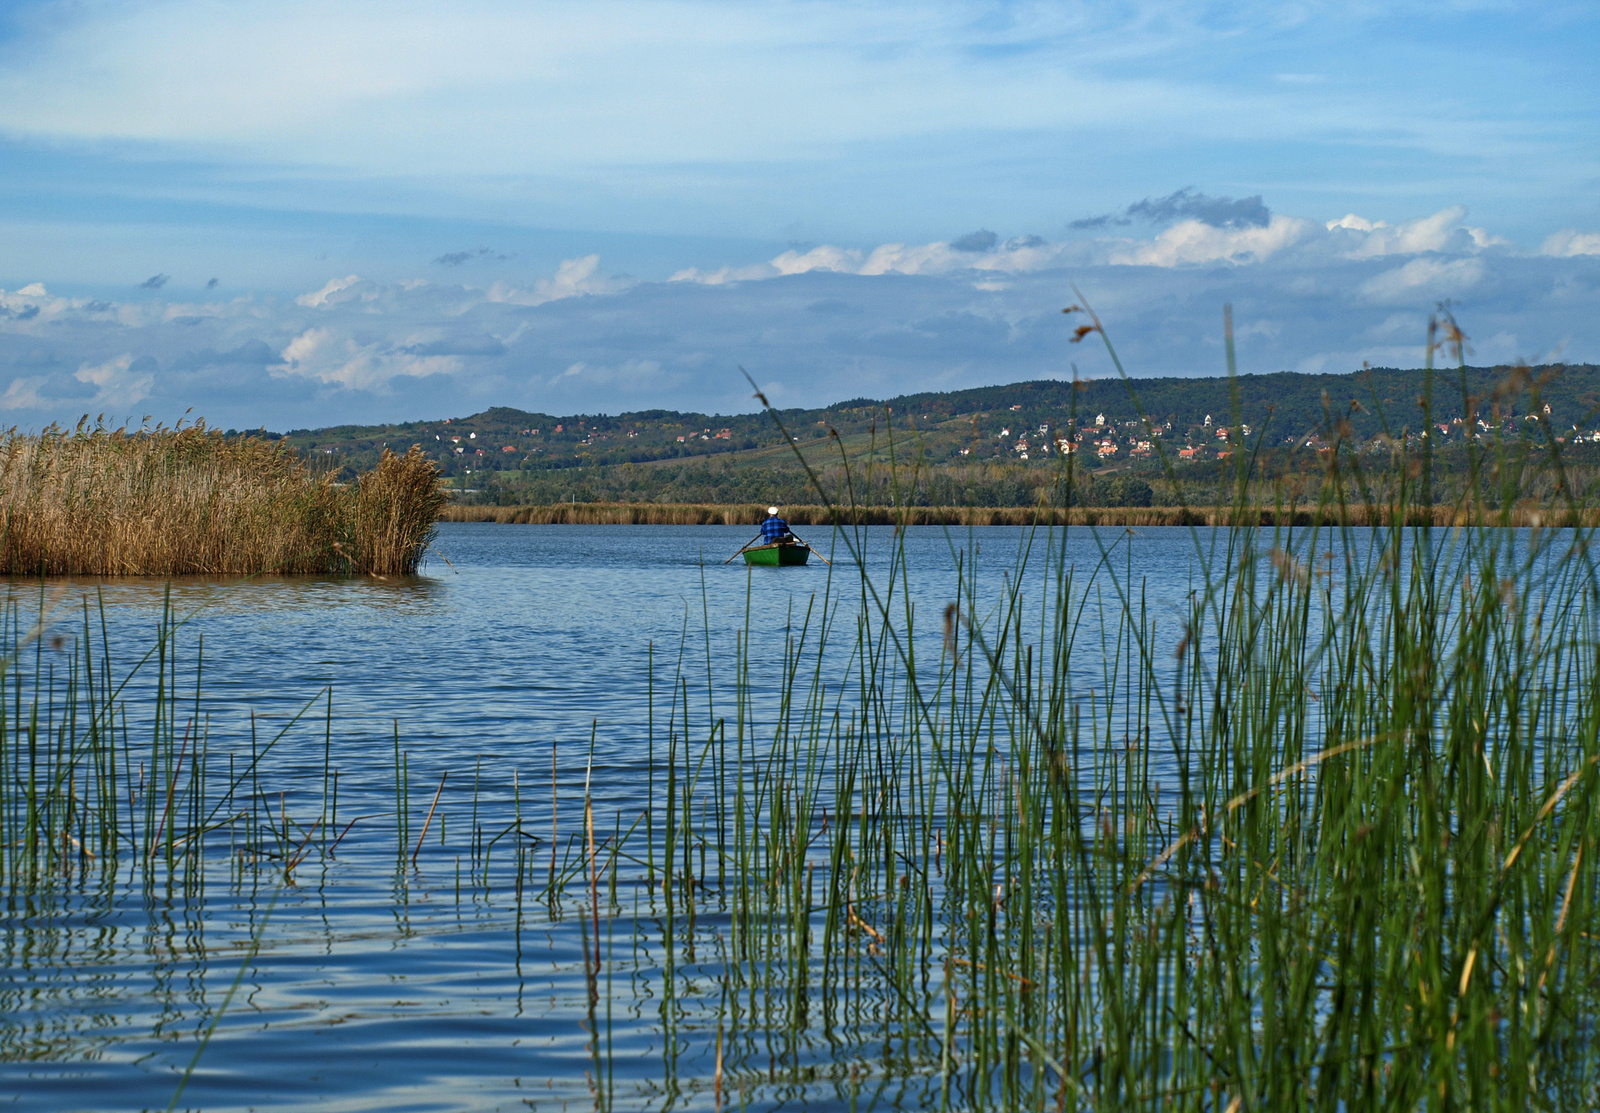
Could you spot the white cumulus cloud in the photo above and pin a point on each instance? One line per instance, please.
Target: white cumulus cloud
(1423, 280)
(939, 257)
(327, 356)
(32, 305)
(573, 278)
(339, 291)
(1188, 242)
(818, 324)
(1444, 231)
(723, 275)
(1568, 242)
(1192, 241)
(116, 384)
(24, 394)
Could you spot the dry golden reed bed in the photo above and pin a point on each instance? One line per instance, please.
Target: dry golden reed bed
(698, 514)
(167, 502)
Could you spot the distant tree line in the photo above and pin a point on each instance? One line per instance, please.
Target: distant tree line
(989, 485)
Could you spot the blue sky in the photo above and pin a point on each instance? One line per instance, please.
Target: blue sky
(415, 210)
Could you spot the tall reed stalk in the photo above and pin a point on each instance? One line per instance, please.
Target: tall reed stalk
(1322, 839)
(166, 502)
(88, 786)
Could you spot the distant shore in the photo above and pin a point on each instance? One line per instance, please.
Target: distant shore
(700, 514)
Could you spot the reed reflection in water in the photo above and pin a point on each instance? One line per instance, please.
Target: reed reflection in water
(562, 828)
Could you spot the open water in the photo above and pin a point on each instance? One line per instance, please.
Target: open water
(364, 986)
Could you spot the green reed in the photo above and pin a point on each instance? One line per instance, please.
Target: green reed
(89, 784)
(1321, 840)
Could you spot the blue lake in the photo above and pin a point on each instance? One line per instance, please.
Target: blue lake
(444, 985)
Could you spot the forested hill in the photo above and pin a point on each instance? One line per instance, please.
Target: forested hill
(1279, 407)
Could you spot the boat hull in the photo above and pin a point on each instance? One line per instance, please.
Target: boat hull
(777, 555)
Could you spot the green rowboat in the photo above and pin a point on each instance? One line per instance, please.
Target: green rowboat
(777, 553)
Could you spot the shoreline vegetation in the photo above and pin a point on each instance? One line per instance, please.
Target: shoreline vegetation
(192, 500)
(715, 514)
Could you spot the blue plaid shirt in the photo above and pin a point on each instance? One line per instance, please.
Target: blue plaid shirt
(774, 529)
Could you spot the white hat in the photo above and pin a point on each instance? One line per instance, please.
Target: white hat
(773, 510)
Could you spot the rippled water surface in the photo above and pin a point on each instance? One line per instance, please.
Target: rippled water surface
(445, 985)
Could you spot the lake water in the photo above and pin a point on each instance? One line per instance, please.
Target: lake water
(360, 986)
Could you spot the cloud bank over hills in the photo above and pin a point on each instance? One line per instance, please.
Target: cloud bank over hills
(813, 324)
(303, 212)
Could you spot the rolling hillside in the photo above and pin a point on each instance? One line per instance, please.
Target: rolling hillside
(1012, 423)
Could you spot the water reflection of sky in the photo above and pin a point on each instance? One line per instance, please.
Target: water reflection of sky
(493, 666)
(531, 636)
(500, 660)
(532, 632)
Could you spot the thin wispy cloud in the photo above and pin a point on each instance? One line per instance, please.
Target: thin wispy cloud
(663, 117)
(155, 282)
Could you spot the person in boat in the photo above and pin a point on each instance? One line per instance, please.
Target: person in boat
(775, 530)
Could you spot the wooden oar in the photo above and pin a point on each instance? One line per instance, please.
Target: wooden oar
(808, 545)
(743, 547)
